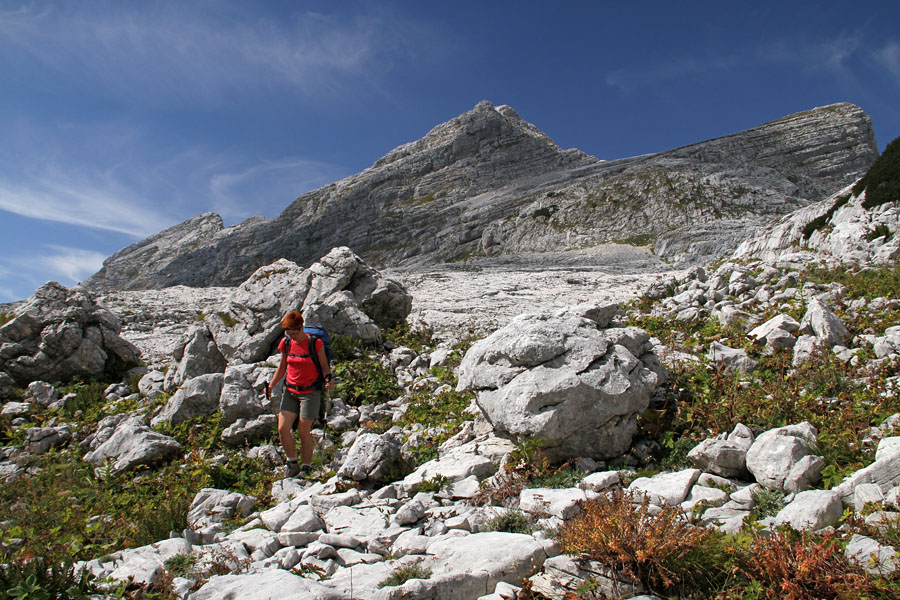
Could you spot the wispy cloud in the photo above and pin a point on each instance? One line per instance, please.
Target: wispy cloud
(184, 53)
(888, 57)
(76, 200)
(70, 264)
(64, 264)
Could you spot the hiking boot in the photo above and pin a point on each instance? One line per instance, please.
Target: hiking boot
(305, 470)
(291, 469)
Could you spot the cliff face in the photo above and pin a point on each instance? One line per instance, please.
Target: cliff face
(488, 183)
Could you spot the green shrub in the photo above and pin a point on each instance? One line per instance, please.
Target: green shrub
(181, 565)
(882, 182)
(88, 401)
(513, 521)
(365, 381)
(820, 221)
(404, 573)
(435, 484)
(545, 211)
(5, 318)
(40, 579)
(347, 348)
(880, 230)
(95, 515)
(563, 477)
(419, 339)
(227, 319)
(766, 503)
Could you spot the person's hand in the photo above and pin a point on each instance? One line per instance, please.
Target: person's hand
(329, 382)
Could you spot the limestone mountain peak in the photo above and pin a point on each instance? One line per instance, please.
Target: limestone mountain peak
(488, 183)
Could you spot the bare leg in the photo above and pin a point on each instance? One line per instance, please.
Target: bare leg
(285, 422)
(307, 443)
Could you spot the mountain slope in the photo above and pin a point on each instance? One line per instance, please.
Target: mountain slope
(488, 183)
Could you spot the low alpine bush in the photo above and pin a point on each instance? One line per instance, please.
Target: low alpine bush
(404, 573)
(662, 552)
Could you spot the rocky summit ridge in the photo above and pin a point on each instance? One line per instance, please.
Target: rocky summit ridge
(489, 184)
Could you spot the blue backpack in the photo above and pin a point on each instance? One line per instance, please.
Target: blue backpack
(313, 334)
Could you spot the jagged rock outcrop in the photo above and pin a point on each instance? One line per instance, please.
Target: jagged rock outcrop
(856, 225)
(489, 183)
(339, 292)
(60, 333)
(840, 229)
(132, 444)
(137, 266)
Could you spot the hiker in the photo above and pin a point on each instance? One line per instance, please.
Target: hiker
(303, 392)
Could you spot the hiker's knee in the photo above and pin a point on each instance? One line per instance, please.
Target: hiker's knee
(285, 423)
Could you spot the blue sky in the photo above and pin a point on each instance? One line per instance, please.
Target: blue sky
(119, 119)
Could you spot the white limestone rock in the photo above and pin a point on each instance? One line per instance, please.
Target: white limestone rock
(41, 393)
(598, 482)
(805, 473)
(197, 355)
(775, 452)
(888, 446)
(866, 493)
(456, 465)
(820, 321)
(732, 359)
(212, 506)
(666, 488)
(884, 473)
(133, 444)
(705, 497)
(372, 457)
(724, 455)
(875, 558)
(39, 440)
(196, 397)
(61, 333)
(302, 519)
(813, 510)
(265, 585)
(243, 394)
(564, 504)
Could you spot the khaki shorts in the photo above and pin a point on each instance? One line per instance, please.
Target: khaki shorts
(305, 405)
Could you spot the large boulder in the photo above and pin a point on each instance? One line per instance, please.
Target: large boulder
(198, 397)
(243, 394)
(61, 333)
(566, 380)
(212, 506)
(724, 455)
(812, 509)
(133, 444)
(824, 324)
(340, 293)
(775, 453)
(196, 355)
(373, 457)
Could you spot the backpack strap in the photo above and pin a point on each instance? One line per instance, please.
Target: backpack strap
(315, 358)
(287, 349)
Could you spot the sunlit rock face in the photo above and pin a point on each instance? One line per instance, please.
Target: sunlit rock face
(488, 184)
